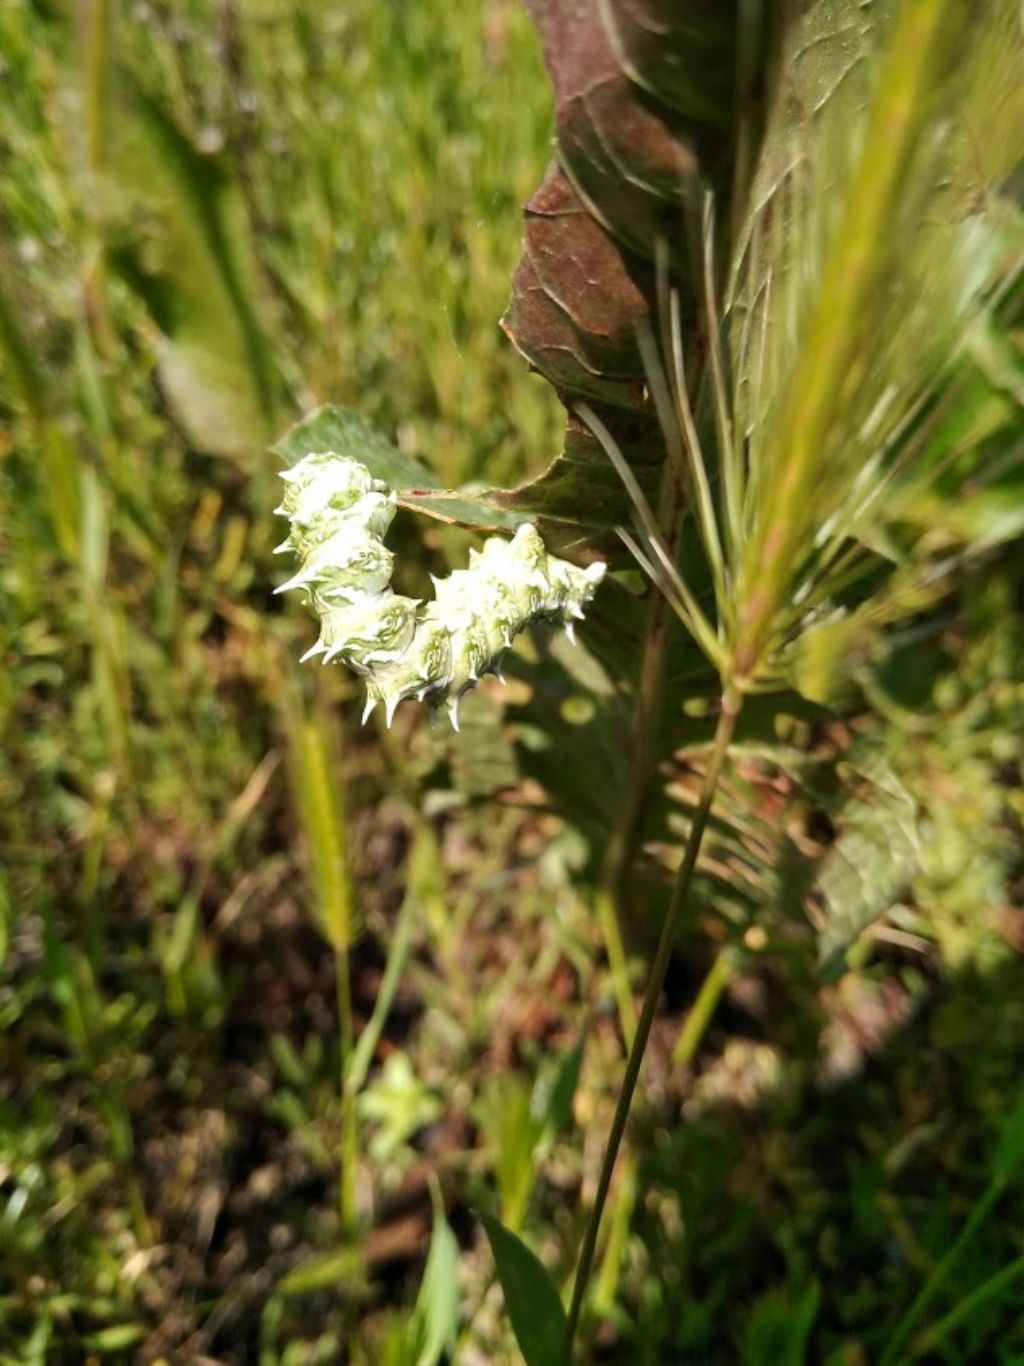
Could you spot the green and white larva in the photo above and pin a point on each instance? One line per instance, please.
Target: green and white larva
(403, 647)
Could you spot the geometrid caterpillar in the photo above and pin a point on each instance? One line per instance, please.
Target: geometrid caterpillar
(403, 647)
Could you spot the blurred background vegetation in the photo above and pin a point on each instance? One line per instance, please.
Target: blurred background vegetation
(214, 215)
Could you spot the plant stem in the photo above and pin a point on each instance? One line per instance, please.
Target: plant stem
(642, 750)
(349, 1144)
(398, 955)
(97, 65)
(718, 978)
(143, 1229)
(624, 1203)
(618, 964)
(731, 703)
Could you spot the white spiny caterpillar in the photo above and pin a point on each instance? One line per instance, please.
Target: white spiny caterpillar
(403, 647)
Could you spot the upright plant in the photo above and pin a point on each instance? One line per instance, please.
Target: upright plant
(775, 276)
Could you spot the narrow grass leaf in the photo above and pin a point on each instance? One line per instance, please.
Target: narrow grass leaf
(398, 956)
(551, 1103)
(198, 279)
(342, 1268)
(115, 1339)
(978, 1299)
(60, 464)
(1009, 1158)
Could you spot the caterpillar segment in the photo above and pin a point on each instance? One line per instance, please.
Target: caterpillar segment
(403, 647)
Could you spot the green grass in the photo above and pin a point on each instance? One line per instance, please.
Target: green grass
(211, 218)
(352, 239)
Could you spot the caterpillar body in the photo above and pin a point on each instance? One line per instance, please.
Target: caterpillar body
(404, 647)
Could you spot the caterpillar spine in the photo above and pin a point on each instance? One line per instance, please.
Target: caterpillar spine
(403, 647)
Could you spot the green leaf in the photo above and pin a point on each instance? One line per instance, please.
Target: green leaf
(798, 838)
(332, 428)
(873, 857)
(289, 1063)
(531, 1297)
(512, 1135)
(437, 1304)
(398, 1102)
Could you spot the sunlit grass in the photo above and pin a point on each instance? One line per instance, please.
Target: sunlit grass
(340, 223)
(209, 221)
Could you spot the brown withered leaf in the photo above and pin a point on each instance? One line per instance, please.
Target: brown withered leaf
(630, 151)
(577, 299)
(656, 103)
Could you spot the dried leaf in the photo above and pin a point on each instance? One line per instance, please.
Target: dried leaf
(655, 104)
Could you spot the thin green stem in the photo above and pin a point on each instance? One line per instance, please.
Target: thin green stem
(618, 964)
(97, 71)
(606, 1285)
(356, 1057)
(471, 1318)
(143, 1229)
(720, 974)
(349, 1143)
(731, 703)
(642, 747)
(934, 1283)
(97, 67)
(369, 1036)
